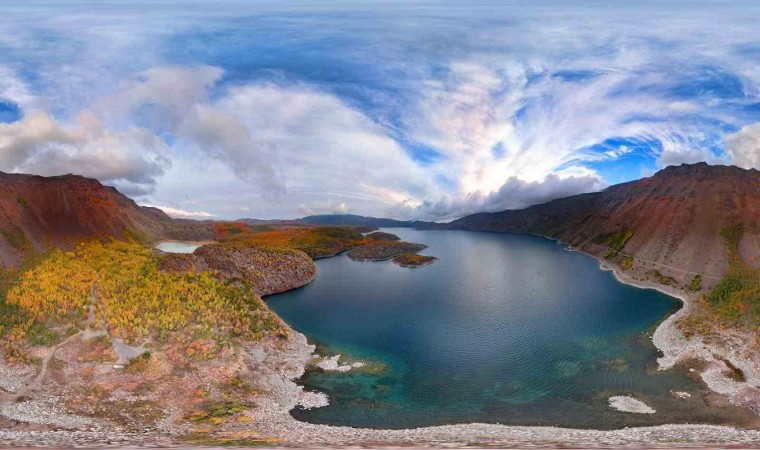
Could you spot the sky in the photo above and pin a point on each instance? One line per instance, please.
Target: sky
(404, 109)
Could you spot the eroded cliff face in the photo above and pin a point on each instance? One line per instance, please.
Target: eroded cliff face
(37, 213)
(676, 216)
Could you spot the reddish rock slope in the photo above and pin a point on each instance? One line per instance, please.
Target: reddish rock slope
(39, 212)
(676, 216)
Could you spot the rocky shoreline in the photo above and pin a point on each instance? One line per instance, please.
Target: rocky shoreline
(732, 348)
(283, 363)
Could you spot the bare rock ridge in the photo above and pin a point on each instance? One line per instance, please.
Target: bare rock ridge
(671, 222)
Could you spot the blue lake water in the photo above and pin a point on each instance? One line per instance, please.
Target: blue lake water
(503, 329)
(178, 246)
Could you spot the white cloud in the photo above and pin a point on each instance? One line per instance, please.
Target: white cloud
(289, 144)
(163, 95)
(744, 147)
(181, 213)
(39, 144)
(317, 143)
(316, 208)
(677, 152)
(512, 100)
(540, 122)
(13, 89)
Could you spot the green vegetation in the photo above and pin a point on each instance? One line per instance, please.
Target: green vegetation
(662, 279)
(218, 409)
(14, 321)
(22, 201)
(16, 238)
(696, 283)
(327, 241)
(616, 242)
(626, 263)
(39, 334)
(736, 298)
(317, 242)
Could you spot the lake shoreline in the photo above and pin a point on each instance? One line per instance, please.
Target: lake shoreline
(677, 348)
(277, 420)
(272, 418)
(279, 363)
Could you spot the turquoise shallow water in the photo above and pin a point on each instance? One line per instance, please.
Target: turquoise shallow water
(503, 329)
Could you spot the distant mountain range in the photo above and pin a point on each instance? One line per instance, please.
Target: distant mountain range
(352, 219)
(671, 224)
(673, 219)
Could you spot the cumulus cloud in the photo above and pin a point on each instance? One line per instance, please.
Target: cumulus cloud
(316, 208)
(744, 146)
(178, 213)
(39, 144)
(223, 136)
(677, 153)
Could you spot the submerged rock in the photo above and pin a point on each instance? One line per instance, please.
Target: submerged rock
(332, 364)
(626, 403)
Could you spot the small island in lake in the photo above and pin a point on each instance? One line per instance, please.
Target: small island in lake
(382, 236)
(413, 260)
(382, 250)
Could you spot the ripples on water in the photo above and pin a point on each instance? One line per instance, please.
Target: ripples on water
(503, 329)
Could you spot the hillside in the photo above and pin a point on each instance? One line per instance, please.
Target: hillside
(671, 224)
(37, 213)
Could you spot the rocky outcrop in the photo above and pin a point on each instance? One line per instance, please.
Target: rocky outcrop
(267, 269)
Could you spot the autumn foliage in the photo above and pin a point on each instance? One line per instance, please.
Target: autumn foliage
(118, 287)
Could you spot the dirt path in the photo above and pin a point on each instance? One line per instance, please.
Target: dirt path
(8, 396)
(43, 370)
